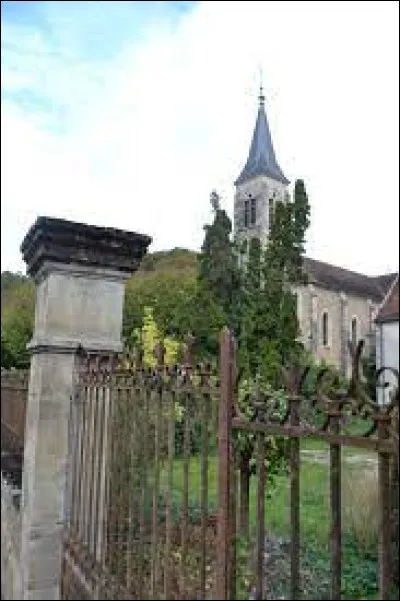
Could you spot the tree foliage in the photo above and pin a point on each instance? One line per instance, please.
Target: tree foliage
(269, 332)
(17, 315)
(256, 296)
(168, 283)
(218, 275)
(149, 336)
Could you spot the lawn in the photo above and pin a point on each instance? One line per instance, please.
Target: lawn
(314, 491)
(358, 526)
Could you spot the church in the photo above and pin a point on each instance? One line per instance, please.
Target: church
(336, 305)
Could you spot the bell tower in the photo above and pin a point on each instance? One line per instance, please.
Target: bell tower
(260, 184)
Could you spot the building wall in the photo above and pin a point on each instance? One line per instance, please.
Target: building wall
(387, 355)
(313, 301)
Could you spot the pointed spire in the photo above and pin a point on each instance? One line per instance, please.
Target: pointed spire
(261, 159)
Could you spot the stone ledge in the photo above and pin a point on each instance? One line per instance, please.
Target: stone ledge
(62, 241)
(73, 346)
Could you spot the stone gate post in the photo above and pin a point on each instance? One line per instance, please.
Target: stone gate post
(79, 272)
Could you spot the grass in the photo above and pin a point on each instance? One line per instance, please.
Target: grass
(360, 507)
(314, 493)
(359, 513)
(314, 508)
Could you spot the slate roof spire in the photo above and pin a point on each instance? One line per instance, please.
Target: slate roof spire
(261, 159)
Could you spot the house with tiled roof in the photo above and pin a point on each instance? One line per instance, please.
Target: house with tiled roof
(387, 343)
(337, 305)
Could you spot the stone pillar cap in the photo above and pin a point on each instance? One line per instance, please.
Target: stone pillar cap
(66, 242)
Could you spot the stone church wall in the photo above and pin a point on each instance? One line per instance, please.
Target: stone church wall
(313, 302)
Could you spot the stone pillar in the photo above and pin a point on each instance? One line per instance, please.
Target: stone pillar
(79, 272)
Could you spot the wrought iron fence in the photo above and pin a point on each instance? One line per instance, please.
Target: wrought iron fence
(153, 495)
(14, 394)
(324, 418)
(141, 524)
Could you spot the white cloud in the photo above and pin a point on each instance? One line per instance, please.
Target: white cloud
(146, 135)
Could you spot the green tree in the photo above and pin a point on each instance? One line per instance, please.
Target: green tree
(179, 305)
(219, 274)
(269, 330)
(7, 357)
(169, 293)
(17, 316)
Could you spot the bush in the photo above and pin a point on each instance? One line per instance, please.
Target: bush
(195, 437)
(275, 403)
(327, 376)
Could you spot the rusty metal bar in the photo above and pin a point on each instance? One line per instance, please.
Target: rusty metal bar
(72, 433)
(99, 430)
(144, 492)
(92, 517)
(260, 451)
(156, 484)
(336, 508)
(103, 469)
(170, 485)
(88, 467)
(122, 437)
(76, 413)
(132, 498)
(294, 461)
(114, 479)
(384, 544)
(185, 490)
(112, 521)
(81, 473)
(130, 490)
(107, 466)
(376, 444)
(233, 523)
(224, 454)
(205, 401)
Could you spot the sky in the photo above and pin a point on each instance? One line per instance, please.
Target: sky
(128, 114)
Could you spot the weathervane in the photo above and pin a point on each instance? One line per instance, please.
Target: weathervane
(261, 96)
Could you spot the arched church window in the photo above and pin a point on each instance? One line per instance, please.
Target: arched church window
(246, 213)
(354, 331)
(253, 211)
(325, 328)
(271, 208)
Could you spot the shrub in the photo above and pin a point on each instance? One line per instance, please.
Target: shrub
(330, 378)
(195, 437)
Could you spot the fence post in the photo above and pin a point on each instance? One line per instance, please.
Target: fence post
(79, 272)
(384, 543)
(294, 462)
(224, 533)
(335, 475)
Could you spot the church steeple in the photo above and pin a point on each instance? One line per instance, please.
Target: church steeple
(261, 159)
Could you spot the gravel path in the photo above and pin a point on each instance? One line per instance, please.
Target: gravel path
(364, 460)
